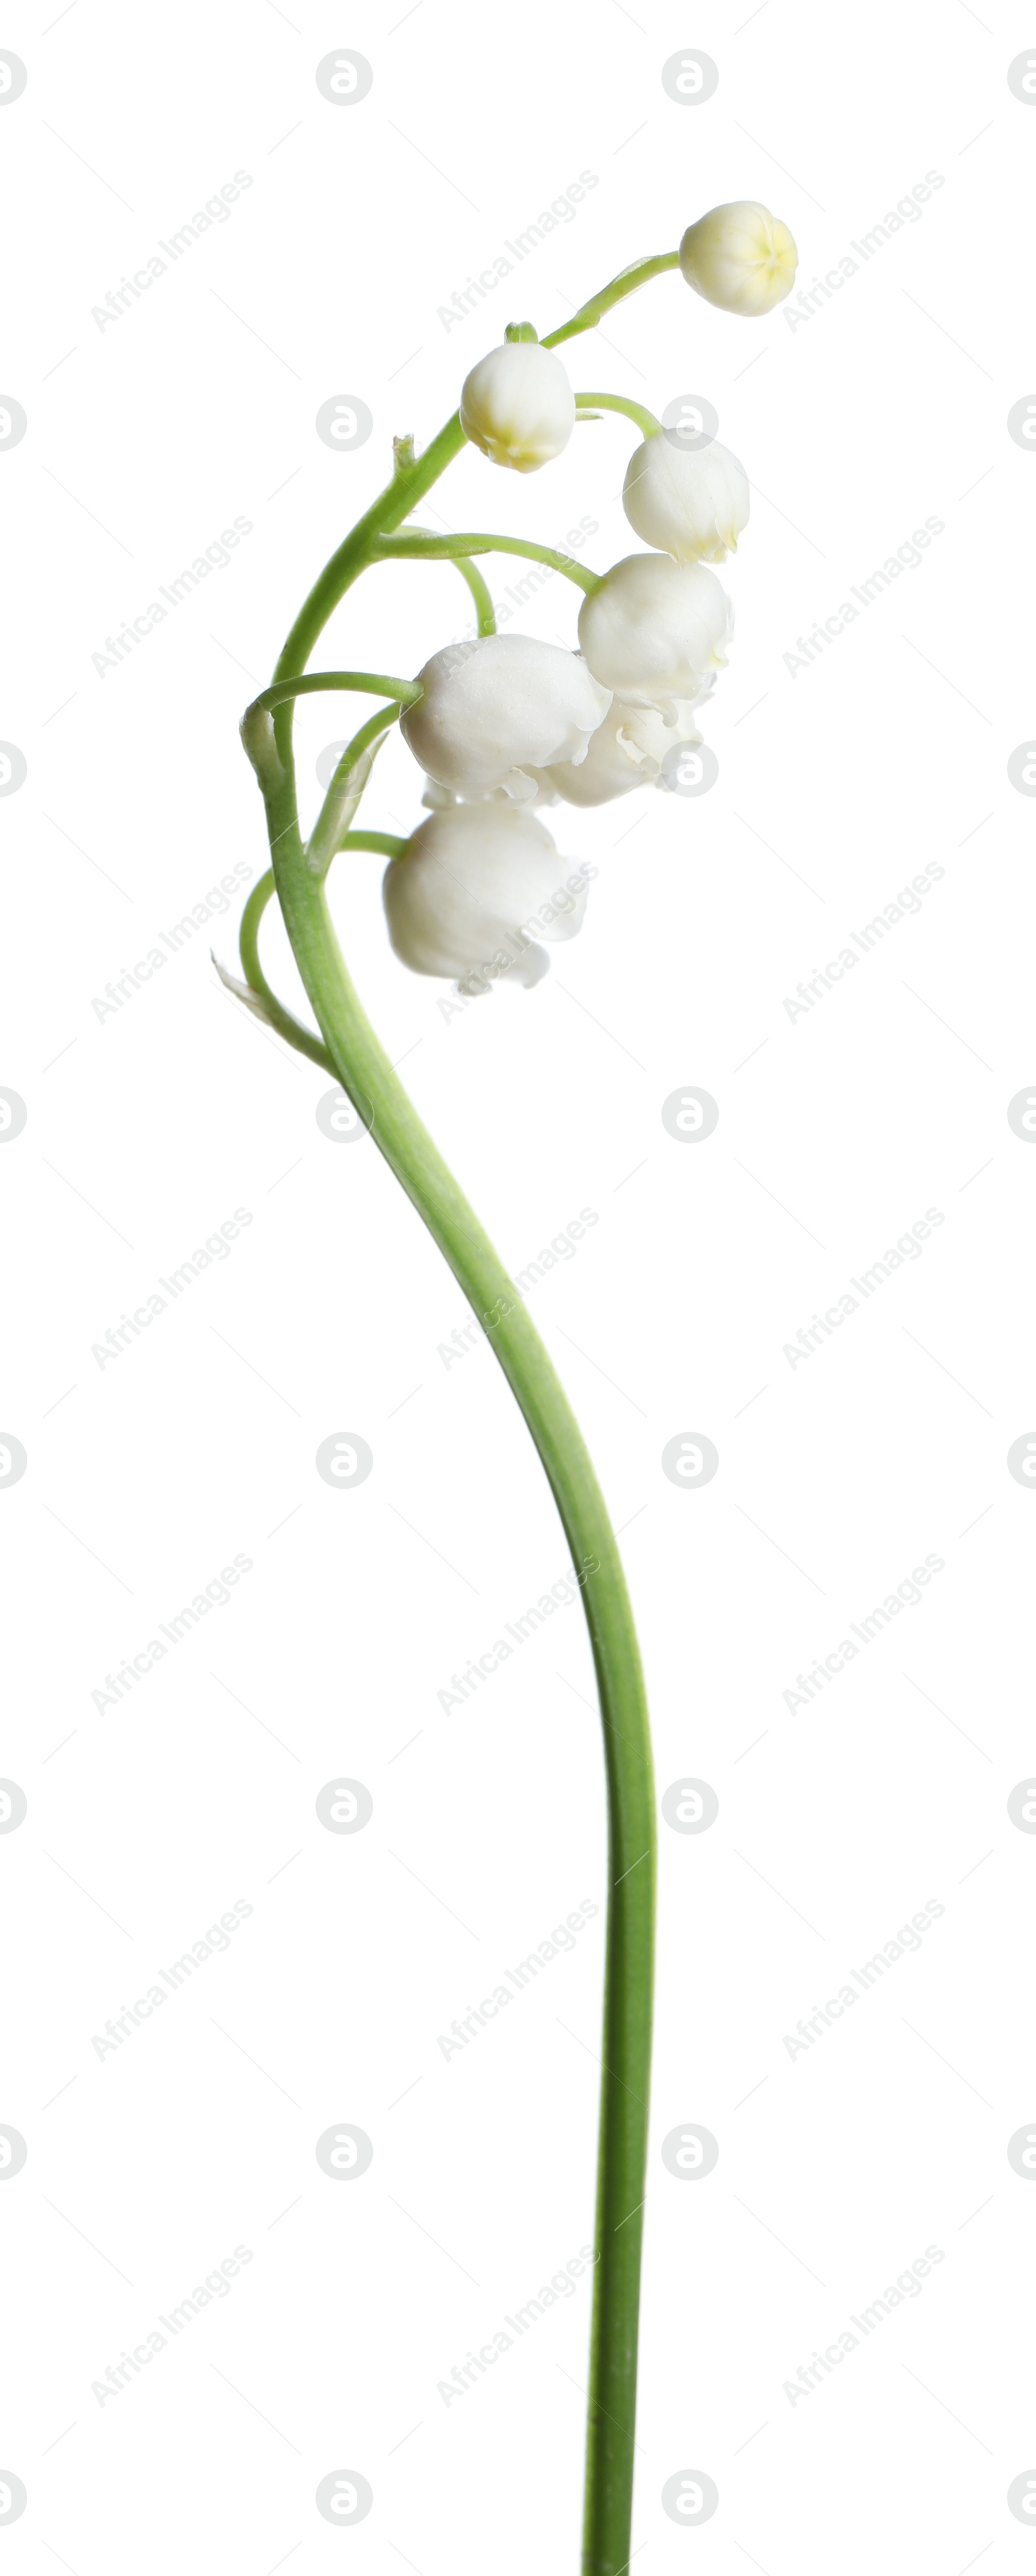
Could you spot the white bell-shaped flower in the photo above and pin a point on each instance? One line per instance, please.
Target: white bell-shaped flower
(477, 889)
(626, 751)
(740, 257)
(517, 405)
(654, 631)
(500, 705)
(496, 706)
(689, 502)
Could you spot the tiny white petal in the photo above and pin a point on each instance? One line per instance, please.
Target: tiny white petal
(626, 751)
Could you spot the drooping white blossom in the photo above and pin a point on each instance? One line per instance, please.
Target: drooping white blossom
(517, 405)
(655, 631)
(689, 502)
(476, 890)
(499, 705)
(626, 751)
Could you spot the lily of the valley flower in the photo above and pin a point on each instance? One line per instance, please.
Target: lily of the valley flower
(626, 751)
(654, 631)
(517, 405)
(497, 707)
(740, 257)
(476, 889)
(691, 503)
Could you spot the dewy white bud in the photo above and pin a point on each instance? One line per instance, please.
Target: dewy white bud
(500, 705)
(517, 405)
(692, 503)
(740, 257)
(655, 631)
(626, 751)
(477, 888)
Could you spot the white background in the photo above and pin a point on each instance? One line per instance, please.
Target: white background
(837, 1130)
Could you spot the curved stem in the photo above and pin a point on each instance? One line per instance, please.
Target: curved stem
(372, 684)
(390, 844)
(257, 992)
(454, 548)
(645, 420)
(391, 506)
(346, 788)
(626, 283)
(366, 1074)
(470, 573)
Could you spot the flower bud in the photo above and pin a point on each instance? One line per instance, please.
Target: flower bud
(626, 751)
(655, 631)
(690, 502)
(477, 887)
(740, 257)
(497, 706)
(517, 405)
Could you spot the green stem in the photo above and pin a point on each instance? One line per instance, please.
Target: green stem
(366, 1074)
(372, 684)
(454, 548)
(346, 788)
(645, 420)
(386, 512)
(272, 1011)
(626, 283)
(470, 573)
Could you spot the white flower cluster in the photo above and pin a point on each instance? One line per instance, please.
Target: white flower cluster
(506, 723)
